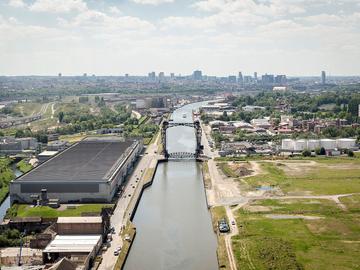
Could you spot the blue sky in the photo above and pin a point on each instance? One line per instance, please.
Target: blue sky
(220, 37)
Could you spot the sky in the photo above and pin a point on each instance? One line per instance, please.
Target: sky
(219, 37)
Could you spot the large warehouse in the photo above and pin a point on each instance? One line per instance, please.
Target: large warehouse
(89, 171)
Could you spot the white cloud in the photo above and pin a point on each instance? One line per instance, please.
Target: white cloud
(223, 36)
(152, 2)
(114, 10)
(17, 3)
(58, 6)
(96, 20)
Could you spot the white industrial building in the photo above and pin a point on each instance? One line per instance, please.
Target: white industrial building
(328, 144)
(300, 145)
(312, 144)
(346, 143)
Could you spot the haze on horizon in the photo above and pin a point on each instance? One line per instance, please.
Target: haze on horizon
(219, 37)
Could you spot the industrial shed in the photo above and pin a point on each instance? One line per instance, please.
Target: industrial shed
(89, 171)
(79, 249)
(80, 225)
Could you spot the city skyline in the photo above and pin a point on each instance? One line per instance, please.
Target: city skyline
(221, 38)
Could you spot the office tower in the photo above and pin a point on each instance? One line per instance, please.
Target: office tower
(267, 79)
(280, 79)
(255, 76)
(247, 79)
(85, 75)
(240, 78)
(172, 75)
(323, 77)
(232, 79)
(197, 75)
(152, 76)
(59, 75)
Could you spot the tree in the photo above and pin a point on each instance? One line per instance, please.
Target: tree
(306, 153)
(61, 116)
(350, 153)
(320, 151)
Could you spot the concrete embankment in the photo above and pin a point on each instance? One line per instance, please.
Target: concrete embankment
(145, 181)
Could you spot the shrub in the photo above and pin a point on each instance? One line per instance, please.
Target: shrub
(306, 153)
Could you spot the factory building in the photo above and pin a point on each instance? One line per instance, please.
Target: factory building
(89, 171)
(327, 144)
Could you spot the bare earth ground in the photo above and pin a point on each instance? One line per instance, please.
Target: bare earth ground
(227, 191)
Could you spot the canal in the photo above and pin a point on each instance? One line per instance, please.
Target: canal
(174, 230)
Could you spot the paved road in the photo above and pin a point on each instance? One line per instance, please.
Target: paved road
(118, 218)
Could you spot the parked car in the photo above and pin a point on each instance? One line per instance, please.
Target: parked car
(127, 238)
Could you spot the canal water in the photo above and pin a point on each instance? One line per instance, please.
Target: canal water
(6, 203)
(174, 230)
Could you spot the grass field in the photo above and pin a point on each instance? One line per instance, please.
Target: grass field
(352, 203)
(225, 168)
(23, 166)
(6, 175)
(23, 210)
(73, 138)
(320, 177)
(28, 108)
(329, 242)
(218, 213)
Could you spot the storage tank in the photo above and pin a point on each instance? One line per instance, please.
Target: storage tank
(345, 143)
(300, 145)
(328, 144)
(313, 144)
(287, 144)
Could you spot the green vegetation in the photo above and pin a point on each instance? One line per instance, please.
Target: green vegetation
(6, 175)
(130, 230)
(352, 203)
(326, 177)
(225, 168)
(218, 213)
(10, 238)
(22, 210)
(265, 241)
(24, 166)
(206, 175)
(344, 104)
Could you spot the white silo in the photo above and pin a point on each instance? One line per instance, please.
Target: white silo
(346, 143)
(313, 144)
(328, 144)
(300, 145)
(287, 144)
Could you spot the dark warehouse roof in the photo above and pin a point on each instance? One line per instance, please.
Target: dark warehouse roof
(88, 160)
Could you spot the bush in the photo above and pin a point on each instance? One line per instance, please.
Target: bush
(306, 153)
(350, 153)
(320, 151)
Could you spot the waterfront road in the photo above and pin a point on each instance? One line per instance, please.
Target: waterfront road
(118, 219)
